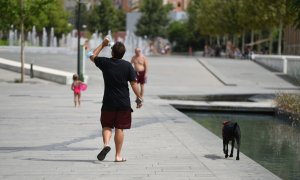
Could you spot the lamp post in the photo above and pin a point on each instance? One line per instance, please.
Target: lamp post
(78, 40)
(22, 41)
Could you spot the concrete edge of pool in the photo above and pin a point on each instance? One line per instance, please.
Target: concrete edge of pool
(246, 168)
(266, 107)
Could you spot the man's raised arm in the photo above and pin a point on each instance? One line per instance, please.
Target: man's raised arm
(99, 49)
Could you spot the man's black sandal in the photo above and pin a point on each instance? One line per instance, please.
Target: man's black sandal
(102, 154)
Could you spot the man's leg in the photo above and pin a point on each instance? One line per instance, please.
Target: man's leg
(119, 138)
(142, 90)
(106, 134)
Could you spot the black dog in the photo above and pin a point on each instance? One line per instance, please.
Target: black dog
(231, 132)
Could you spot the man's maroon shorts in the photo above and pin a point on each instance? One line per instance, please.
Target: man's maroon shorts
(141, 77)
(120, 119)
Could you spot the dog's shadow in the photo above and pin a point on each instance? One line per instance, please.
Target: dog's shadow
(213, 156)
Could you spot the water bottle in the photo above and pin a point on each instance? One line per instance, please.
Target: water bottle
(111, 43)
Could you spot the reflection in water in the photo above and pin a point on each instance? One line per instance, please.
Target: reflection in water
(267, 140)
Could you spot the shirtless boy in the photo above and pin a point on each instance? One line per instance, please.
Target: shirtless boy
(140, 64)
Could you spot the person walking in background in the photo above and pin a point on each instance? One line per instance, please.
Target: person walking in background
(76, 87)
(140, 64)
(116, 109)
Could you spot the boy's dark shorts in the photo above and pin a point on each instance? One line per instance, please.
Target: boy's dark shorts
(119, 118)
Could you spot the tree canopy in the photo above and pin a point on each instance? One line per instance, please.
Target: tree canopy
(236, 16)
(38, 13)
(233, 18)
(154, 19)
(106, 17)
(295, 6)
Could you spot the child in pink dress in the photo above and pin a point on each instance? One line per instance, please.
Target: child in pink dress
(77, 86)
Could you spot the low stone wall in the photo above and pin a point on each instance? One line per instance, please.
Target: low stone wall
(49, 74)
(293, 68)
(289, 65)
(275, 63)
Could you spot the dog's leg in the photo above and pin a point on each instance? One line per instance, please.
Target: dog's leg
(238, 149)
(238, 141)
(232, 147)
(225, 148)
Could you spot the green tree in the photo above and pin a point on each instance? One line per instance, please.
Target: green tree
(57, 17)
(93, 22)
(181, 37)
(121, 20)
(38, 13)
(208, 18)
(280, 16)
(23, 14)
(84, 16)
(154, 19)
(178, 35)
(106, 17)
(295, 7)
(9, 13)
(237, 17)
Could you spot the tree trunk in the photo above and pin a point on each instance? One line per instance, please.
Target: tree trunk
(252, 38)
(243, 42)
(235, 40)
(271, 42)
(22, 43)
(218, 40)
(280, 37)
(259, 44)
(224, 40)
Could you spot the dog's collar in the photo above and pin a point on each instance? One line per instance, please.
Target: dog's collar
(225, 122)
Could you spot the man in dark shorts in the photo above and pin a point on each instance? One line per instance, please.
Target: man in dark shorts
(116, 109)
(141, 67)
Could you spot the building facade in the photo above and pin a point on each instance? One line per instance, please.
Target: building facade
(179, 5)
(128, 5)
(134, 5)
(291, 41)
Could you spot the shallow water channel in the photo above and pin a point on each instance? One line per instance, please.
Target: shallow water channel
(271, 142)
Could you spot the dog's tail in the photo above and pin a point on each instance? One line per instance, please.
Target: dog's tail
(235, 125)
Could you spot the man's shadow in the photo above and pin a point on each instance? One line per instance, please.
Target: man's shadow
(67, 160)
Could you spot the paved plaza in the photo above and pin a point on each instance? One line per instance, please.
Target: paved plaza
(42, 136)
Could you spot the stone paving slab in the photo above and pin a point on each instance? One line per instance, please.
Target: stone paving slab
(42, 136)
(244, 72)
(47, 138)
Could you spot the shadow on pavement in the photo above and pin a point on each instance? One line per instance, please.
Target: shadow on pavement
(213, 156)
